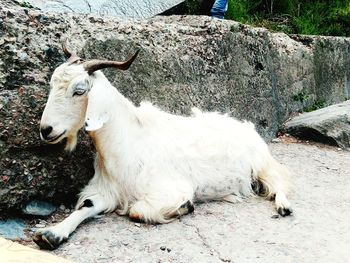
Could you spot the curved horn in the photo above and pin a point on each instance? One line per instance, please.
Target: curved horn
(96, 64)
(69, 54)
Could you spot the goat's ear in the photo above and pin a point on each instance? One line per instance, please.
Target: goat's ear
(96, 115)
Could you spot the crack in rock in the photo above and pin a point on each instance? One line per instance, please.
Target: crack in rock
(205, 243)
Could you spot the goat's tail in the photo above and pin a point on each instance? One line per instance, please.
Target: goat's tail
(273, 183)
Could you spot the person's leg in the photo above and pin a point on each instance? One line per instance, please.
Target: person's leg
(219, 8)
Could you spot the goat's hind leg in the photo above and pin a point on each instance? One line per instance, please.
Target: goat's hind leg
(51, 237)
(165, 202)
(282, 204)
(146, 212)
(273, 183)
(184, 209)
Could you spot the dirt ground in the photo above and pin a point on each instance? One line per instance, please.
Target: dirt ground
(251, 231)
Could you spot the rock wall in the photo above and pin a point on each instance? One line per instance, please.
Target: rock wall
(185, 61)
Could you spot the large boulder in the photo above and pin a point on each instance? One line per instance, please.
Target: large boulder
(137, 9)
(185, 61)
(328, 125)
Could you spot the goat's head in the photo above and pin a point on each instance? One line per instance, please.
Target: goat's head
(66, 107)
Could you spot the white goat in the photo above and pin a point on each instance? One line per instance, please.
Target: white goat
(151, 165)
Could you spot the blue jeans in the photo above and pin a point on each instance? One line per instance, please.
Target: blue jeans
(219, 8)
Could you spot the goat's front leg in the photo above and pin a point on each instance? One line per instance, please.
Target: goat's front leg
(51, 237)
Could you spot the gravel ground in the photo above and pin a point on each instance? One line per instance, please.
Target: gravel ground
(251, 231)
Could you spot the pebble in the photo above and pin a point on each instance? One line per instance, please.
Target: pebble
(11, 48)
(6, 172)
(23, 56)
(49, 51)
(10, 39)
(276, 140)
(138, 224)
(62, 207)
(43, 19)
(163, 248)
(39, 225)
(96, 19)
(39, 208)
(10, 14)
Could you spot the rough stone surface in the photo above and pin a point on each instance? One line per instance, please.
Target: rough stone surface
(330, 124)
(249, 231)
(136, 9)
(185, 61)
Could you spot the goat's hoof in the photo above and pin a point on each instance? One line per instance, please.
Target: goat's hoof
(186, 208)
(137, 218)
(48, 240)
(285, 211)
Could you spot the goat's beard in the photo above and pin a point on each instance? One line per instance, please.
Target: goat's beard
(71, 142)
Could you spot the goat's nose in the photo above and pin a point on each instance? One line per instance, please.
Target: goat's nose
(45, 131)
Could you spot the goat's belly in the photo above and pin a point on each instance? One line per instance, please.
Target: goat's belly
(219, 185)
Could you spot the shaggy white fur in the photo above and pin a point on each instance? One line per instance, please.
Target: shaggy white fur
(150, 164)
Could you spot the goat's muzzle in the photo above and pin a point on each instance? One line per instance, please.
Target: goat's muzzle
(45, 133)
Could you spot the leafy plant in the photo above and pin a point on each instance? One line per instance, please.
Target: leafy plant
(301, 97)
(24, 4)
(318, 17)
(318, 104)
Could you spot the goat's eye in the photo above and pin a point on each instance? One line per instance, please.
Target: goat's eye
(78, 92)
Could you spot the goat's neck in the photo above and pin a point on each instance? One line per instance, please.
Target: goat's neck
(121, 123)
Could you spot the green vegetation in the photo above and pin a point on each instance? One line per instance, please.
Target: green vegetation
(311, 17)
(193, 6)
(318, 104)
(24, 4)
(303, 97)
